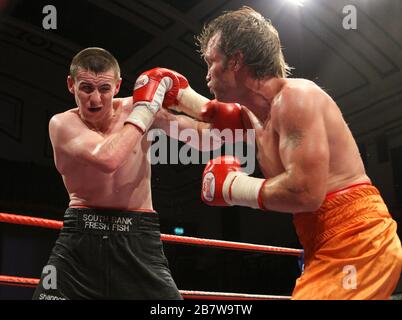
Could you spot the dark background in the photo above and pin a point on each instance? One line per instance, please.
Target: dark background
(360, 69)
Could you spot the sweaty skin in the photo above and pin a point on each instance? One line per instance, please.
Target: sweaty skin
(305, 147)
(103, 162)
(305, 151)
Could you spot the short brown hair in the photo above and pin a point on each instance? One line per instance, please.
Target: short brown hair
(94, 59)
(247, 31)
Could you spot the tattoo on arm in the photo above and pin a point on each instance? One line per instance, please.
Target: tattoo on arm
(294, 138)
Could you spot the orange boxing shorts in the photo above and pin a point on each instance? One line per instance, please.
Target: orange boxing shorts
(351, 247)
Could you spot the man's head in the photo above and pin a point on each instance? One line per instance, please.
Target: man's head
(96, 60)
(94, 80)
(244, 38)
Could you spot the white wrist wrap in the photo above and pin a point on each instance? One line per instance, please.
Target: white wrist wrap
(142, 117)
(144, 112)
(242, 190)
(190, 102)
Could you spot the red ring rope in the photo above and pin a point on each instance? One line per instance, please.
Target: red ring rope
(186, 294)
(54, 224)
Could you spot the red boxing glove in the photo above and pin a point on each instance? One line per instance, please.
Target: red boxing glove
(149, 80)
(214, 177)
(154, 88)
(222, 115)
(155, 75)
(171, 95)
(225, 184)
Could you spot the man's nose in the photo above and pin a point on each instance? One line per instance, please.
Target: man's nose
(95, 97)
(208, 76)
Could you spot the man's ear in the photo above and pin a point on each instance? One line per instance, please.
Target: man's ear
(70, 84)
(117, 89)
(236, 61)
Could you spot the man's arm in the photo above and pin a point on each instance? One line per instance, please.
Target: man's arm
(181, 127)
(191, 103)
(304, 151)
(70, 136)
(179, 96)
(174, 125)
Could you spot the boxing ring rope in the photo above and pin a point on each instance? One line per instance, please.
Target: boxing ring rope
(55, 224)
(18, 281)
(187, 294)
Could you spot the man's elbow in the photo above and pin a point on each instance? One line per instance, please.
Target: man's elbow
(309, 195)
(108, 168)
(309, 191)
(106, 163)
(310, 201)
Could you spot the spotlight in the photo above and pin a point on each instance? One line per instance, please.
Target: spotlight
(299, 3)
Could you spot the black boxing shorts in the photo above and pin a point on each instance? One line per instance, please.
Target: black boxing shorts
(107, 254)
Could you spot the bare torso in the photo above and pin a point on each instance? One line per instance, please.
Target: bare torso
(345, 165)
(128, 188)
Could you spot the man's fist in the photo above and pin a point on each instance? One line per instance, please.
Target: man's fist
(147, 84)
(225, 184)
(216, 180)
(154, 88)
(150, 80)
(222, 115)
(179, 82)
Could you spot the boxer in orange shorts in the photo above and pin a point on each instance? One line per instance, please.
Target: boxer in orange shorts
(351, 247)
(309, 154)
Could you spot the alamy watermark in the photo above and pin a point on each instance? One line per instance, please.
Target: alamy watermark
(349, 281)
(50, 277)
(239, 143)
(49, 21)
(350, 20)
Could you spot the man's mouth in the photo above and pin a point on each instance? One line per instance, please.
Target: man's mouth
(94, 109)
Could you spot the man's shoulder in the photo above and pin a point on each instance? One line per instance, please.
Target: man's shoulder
(298, 99)
(67, 115)
(298, 86)
(298, 93)
(62, 123)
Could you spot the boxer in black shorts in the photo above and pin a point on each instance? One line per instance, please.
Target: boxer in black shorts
(100, 149)
(109, 254)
